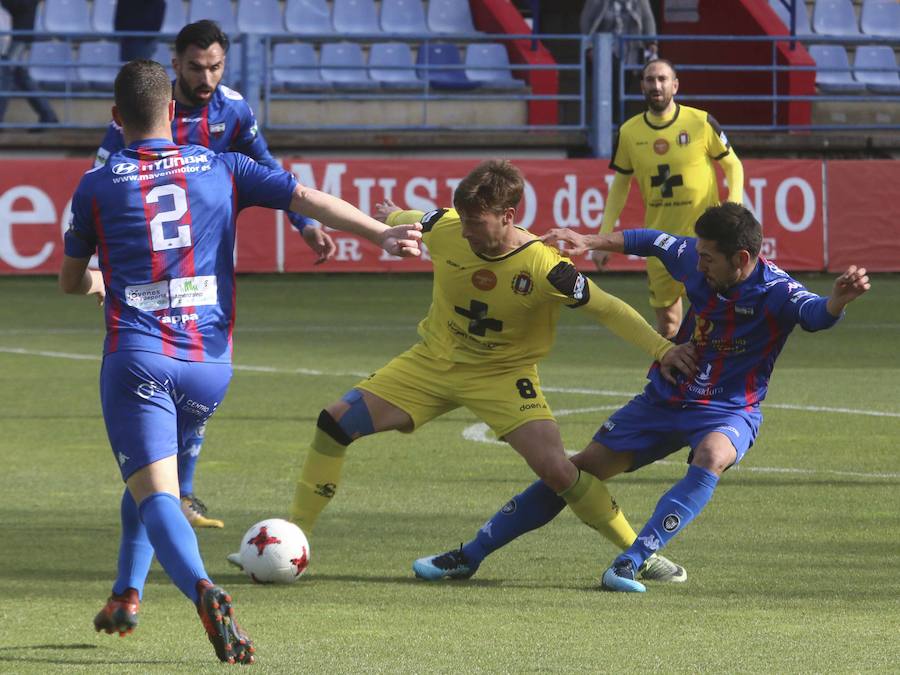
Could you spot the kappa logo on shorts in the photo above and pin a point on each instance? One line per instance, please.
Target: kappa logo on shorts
(509, 507)
(123, 458)
(608, 425)
(671, 522)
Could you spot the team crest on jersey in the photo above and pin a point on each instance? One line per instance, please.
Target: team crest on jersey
(522, 283)
(484, 280)
(660, 146)
(683, 138)
(702, 330)
(217, 129)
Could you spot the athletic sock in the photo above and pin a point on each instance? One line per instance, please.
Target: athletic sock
(590, 500)
(318, 480)
(135, 549)
(529, 510)
(679, 506)
(188, 456)
(174, 542)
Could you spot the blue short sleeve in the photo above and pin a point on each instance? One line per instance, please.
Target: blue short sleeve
(258, 185)
(80, 240)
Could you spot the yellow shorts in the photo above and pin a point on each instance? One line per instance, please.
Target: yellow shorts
(426, 387)
(664, 290)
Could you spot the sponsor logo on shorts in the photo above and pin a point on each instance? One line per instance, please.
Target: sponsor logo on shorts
(146, 390)
(608, 425)
(726, 428)
(671, 522)
(509, 507)
(123, 458)
(660, 146)
(532, 406)
(484, 280)
(522, 284)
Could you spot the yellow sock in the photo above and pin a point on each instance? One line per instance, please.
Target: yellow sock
(590, 500)
(318, 480)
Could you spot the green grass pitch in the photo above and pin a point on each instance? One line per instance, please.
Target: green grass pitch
(794, 567)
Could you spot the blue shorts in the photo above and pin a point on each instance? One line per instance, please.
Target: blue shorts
(655, 430)
(152, 404)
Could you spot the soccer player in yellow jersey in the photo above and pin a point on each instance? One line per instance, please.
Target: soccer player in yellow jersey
(497, 294)
(669, 150)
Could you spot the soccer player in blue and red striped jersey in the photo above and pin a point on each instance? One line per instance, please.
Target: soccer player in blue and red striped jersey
(743, 308)
(211, 115)
(161, 218)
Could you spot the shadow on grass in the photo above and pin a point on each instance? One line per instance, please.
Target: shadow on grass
(78, 647)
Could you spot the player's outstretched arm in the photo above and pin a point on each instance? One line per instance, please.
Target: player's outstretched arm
(402, 240)
(75, 278)
(573, 244)
(847, 287)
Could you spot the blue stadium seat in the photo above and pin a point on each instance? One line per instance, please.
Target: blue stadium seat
(98, 64)
(259, 16)
(881, 18)
(450, 16)
(219, 11)
(355, 17)
(232, 75)
(887, 81)
(308, 17)
(103, 16)
(391, 65)
(5, 24)
(342, 65)
(442, 54)
(488, 63)
(67, 16)
(835, 17)
(802, 22)
(295, 67)
(175, 17)
(836, 76)
(45, 64)
(163, 54)
(403, 17)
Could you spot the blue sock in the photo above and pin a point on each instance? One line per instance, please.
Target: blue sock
(173, 541)
(188, 455)
(679, 506)
(135, 550)
(531, 509)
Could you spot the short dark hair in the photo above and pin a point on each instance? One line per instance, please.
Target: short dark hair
(732, 227)
(142, 92)
(494, 186)
(666, 61)
(202, 34)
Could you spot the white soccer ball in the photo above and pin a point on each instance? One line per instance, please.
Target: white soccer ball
(274, 551)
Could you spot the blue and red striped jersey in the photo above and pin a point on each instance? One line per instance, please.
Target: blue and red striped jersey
(738, 333)
(161, 218)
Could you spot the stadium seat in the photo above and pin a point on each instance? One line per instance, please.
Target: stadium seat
(488, 63)
(835, 17)
(342, 65)
(260, 16)
(836, 76)
(218, 10)
(175, 17)
(802, 23)
(5, 25)
(450, 16)
(233, 70)
(67, 16)
(441, 73)
(163, 54)
(98, 64)
(881, 18)
(355, 17)
(295, 67)
(46, 64)
(391, 65)
(886, 81)
(103, 16)
(308, 17)
(403, 17)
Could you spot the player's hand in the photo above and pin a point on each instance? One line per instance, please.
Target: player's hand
(600, 259)
(98, 287)
(850, 285)
(682, 358)
(566, 241)
(384, 209)
(403, 240)
(320, 242)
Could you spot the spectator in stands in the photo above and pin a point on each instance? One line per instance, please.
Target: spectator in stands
(12, 77)
(622, 17)
(138, 15)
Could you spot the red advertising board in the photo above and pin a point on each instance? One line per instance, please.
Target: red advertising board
(787, 196)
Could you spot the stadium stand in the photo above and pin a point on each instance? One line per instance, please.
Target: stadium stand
(833, 72)
(881, 18)
(802, 21)
(835, 17)
(343, 66)
(98, 64)
(295, 67)
(259, 16)
(439, 63)
(175, 18)
(876, 67)
(450, 17)
(308, 17)
(403, 17)
(217, 10)
(67, 16)
(488, 64)
(391, 65)
(355, 17)
(163, 54)
(233, 66)
(103, 14)
(47, 64)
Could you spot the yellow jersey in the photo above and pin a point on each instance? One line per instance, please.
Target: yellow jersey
(503, 311)
(673, 165)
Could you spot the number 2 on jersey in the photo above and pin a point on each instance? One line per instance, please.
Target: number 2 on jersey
(179, 208)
